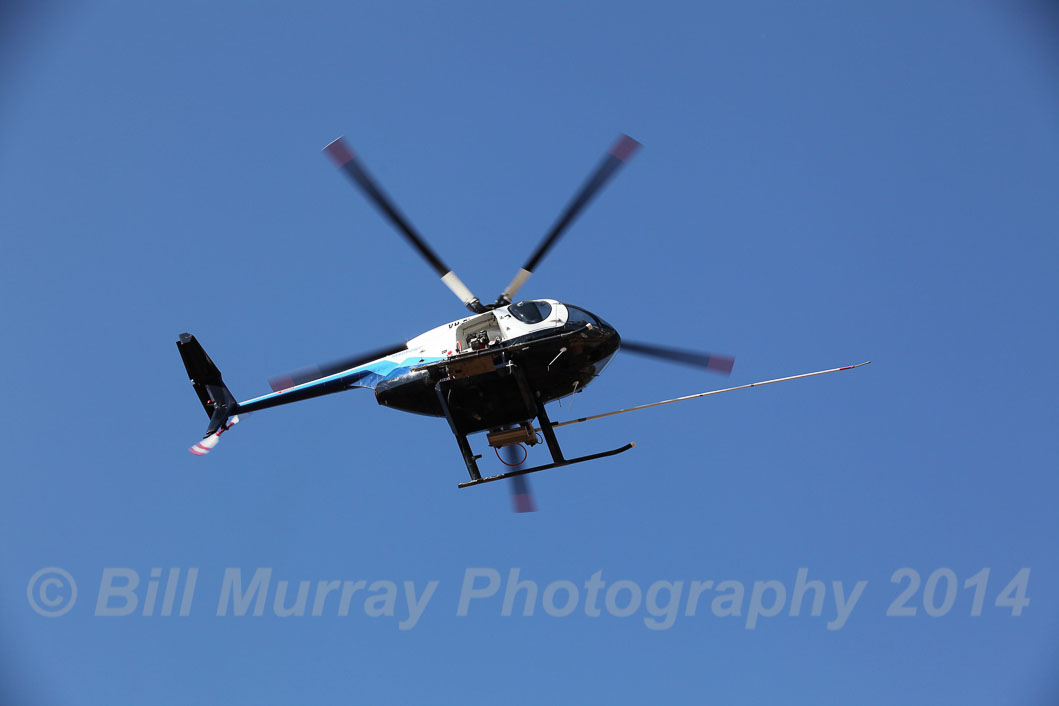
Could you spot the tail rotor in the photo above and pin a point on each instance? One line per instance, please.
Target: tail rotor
(206, 445)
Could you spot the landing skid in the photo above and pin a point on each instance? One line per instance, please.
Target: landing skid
(524, 471)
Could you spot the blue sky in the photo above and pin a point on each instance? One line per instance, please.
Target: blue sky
(819, 185)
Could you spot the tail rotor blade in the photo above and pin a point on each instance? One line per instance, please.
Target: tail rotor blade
(710, 361)
(619, 154)
(206, 445)
(343, 157)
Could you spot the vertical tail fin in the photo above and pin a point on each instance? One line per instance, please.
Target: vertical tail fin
(215, 396)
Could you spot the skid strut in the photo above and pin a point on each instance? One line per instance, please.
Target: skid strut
(558, 460)
(469, 457)
(524, 471)
(549, 436)
(461, 427)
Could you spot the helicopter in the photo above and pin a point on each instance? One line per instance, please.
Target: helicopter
(493, 371)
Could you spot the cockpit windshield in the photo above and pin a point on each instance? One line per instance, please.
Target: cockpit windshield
(531, 312)
(578, 315)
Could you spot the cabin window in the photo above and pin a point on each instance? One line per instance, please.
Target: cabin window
(578, 315)
(531, 312)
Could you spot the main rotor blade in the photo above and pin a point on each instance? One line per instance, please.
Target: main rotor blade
(343, 157)
(521, 495)
(315, 372)
(711, 361)
(619, 154)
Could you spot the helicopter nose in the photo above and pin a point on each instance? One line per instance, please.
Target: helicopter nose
(603, 338)
(610, 341)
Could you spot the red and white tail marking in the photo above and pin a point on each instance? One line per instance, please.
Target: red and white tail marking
(206, 445)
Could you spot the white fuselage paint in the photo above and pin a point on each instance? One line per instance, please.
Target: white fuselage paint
(450, 339)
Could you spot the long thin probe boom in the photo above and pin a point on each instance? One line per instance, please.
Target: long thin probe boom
(705, 394)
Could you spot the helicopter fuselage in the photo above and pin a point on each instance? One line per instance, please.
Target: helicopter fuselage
(484, 371)
(491, 369)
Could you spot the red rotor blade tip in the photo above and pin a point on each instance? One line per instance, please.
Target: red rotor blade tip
(625, 148)
(339, 152)
(524, 502)
(720, 363)
(278, 384)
